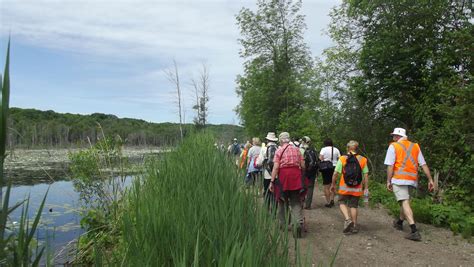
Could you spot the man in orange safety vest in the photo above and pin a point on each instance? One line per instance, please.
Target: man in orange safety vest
(402, 159)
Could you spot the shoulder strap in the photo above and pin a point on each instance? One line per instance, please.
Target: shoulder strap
(284, 150)
(332, 153)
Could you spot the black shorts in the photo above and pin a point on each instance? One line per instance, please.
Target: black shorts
(327, 176)
(350, 201)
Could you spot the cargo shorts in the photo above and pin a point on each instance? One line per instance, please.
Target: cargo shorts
(349, 200)
(402, 192)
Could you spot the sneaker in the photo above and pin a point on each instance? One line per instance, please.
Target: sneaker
(397, 226)
(355, 229)
(348, 225)
(327, 205)
(414, 236)
(331, 203)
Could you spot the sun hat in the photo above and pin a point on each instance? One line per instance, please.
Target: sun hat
(306, 139)
(271, 137)
(235, 139)
(399, 131)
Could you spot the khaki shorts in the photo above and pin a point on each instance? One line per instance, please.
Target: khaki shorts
(350, 201)
(402, 192)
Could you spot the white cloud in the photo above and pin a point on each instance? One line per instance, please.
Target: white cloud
(127, 33)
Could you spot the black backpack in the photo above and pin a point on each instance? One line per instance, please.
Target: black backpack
(270, 155)
(236, 149)
(311, 160)
(352, 171)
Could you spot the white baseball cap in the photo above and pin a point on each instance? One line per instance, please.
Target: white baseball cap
(399, 131)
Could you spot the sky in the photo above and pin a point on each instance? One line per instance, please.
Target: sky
(110, 56)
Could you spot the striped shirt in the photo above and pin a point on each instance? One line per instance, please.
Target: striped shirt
(290, 158)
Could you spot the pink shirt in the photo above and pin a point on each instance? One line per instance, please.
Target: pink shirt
(290, 158)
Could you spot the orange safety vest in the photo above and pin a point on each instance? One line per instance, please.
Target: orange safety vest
(406, 161)
(351, 190)
(243, 160)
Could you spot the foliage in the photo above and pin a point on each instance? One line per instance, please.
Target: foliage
(100, 175)
(33, 128)
(404, 64)
(458, 217)
(193, 210)
(278, 72)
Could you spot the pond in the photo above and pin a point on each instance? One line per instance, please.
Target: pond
(60, 221)
(61, 216)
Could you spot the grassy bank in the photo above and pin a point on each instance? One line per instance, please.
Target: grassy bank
(190, 209)
(457, 216)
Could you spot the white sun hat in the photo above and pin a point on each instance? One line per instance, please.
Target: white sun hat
(271, 137)
(399, 131)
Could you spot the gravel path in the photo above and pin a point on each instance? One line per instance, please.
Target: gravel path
(377, 243)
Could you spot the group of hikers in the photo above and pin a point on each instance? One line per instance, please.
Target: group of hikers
(289, 169)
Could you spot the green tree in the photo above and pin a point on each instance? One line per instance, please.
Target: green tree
(278, 71)
(409, 64)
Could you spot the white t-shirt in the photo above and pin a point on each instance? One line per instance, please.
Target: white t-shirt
(326, 153)
(254, 152)
(390, 160)
(261, 157)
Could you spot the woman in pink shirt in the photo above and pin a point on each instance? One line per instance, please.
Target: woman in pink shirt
(288, 166)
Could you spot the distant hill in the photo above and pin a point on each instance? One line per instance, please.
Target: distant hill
(30, 128)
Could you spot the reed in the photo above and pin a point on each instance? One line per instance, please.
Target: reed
(192, 209)
(16, 244)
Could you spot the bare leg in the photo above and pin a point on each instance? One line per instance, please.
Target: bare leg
(344, 211)
(407, 212)
(327, 193)
(354, 215)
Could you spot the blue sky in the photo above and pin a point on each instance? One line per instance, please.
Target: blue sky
(86, 56)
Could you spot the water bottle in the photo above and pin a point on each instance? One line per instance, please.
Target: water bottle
(366, 197)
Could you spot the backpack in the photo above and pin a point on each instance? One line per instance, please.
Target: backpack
(352, 171)
(236, 149)
(270, 155)
(311, 160)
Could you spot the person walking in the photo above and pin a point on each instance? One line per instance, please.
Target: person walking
(354, 179)
(234, 151)
(328, 156)
(266, 161)
(311, 171)
(288, 166)
(243, 156)
(252, 169)
(402, 159)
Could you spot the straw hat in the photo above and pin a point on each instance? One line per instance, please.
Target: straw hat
(399, 131)
(271, 137)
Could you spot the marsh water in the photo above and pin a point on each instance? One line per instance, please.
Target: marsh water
(65, 200)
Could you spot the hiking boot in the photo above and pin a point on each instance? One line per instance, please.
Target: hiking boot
(348, 225)
(397, 226)
(355, 229)
(414, 236)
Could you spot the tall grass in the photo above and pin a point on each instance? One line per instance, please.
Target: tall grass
(191, 209)
(16, 245)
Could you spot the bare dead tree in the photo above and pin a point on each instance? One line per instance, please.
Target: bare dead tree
(173, 76)
(201, 94)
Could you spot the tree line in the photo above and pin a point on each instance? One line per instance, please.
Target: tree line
(392, 64)
(30, 128)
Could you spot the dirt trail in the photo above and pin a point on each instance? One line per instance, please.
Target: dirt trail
(377, 243)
